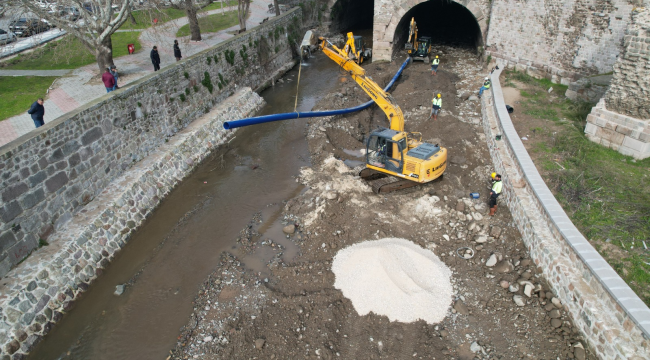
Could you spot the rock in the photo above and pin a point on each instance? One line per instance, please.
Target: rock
(556, 323)
(289, 229)
(119, 290)
(549, 307)
(477, 216)
(465, 95)
(259, 343)
(475, 347)
(504, 284)
(555, 314)
(480, 239)
(513, 288)
(556, 302)
(519, 300)
(321, 129)
(460, 206)
(331, 195)
(446, 237)
(579, 351)
(504, 266)
(471, 226)
(528, 290)
(495, 232)
(550, 90)
(472, 98)
(491, 261)
(525, 262)
(207, 339)
(461, 308)
(526, 275)
(444, 333)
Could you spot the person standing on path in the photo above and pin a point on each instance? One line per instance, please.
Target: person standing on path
(115, 76)
(436, 105)
(155, 58)
(37, 111)
(177, 51)
(486, 85)
(434, 66)
(109, 80)
(497, 186)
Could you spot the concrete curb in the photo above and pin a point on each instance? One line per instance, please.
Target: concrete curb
(613, 319)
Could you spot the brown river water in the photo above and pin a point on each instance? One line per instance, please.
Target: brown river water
(178, 247)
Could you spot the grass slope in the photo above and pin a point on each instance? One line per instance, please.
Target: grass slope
(144, 18)
(212, 23)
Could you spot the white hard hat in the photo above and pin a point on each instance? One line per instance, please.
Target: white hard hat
(487, 78)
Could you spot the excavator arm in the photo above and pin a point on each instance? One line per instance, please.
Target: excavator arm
(383, 99)
(413, 35)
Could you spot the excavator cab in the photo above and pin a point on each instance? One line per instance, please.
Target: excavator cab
(423, 50)
(385, 149)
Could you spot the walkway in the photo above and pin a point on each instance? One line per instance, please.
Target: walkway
(35, 72)
(83, 85)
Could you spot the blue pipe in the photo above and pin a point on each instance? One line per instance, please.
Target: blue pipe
(295, 115)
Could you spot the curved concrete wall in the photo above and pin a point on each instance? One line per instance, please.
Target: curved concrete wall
(612, 318)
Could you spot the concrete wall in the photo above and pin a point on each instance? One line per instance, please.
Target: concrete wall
(562, 40)
(49, 174)
(388, 14)
(613, 320)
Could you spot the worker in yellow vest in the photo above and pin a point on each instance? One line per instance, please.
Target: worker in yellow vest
(434, 66)
(486, 85)
(436, 105)
(497, 187)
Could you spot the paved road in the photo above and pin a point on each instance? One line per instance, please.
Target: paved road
(83, 85)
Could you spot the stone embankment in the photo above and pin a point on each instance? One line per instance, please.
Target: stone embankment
(613, 320)
(74, 190)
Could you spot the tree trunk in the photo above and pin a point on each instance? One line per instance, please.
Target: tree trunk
(104, 54)
(242, 11)
(132, 18)
(195, 30)
(277, 7)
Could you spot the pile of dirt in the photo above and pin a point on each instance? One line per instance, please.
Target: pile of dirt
(502, 307)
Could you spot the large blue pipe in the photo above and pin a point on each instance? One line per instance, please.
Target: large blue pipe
(307, 114)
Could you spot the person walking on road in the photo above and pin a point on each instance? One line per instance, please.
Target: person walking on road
(177, 51)
(497, 187)
(436, 105)
(486, 85)
(108, 80)
(155, 58)
(37, 111)
(115, 76)
(434, 66)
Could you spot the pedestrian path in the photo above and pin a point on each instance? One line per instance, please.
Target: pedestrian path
(63, 72)
(83, 85)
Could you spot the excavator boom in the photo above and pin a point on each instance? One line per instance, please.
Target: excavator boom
(383, 99)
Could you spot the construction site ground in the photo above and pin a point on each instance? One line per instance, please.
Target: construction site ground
(292, 310)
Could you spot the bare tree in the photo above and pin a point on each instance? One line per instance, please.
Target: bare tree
(101, 18)
(242, 12)
(277, 7)
(191, 10)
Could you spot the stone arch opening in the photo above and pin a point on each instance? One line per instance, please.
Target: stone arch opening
(447, 22)
(351, 15)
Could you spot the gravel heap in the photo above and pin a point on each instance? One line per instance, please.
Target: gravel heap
(396, 278)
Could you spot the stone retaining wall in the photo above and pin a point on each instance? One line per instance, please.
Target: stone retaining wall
(37, 293)
(49, 174)
(614, 321)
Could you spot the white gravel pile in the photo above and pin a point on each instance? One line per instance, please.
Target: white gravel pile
(396, 278)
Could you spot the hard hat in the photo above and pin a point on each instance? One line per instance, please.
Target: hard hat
(487, 78)
(493, 175)
(436, 56)
(438, 95)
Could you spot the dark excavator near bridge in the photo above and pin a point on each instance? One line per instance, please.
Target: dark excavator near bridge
(395, 159)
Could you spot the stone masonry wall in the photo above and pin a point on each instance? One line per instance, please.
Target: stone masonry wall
(613, 320)
(37, 293)
(561, 40)
(629, 91)
(48, 175)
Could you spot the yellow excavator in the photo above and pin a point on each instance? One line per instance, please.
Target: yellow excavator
(355, 49)
(418, 48)
(395, 159)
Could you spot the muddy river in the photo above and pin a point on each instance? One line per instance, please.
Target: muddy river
(177, 248)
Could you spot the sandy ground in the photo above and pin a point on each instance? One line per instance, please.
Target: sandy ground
(502, 308)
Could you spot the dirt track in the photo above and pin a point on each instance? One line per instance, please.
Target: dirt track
(296, 313)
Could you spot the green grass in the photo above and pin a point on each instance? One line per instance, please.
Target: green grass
(69, 53)
(18, 93)
(144, 18)
(606, 194)
(212, 23)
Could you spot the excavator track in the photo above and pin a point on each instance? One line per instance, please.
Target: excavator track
(382, 183)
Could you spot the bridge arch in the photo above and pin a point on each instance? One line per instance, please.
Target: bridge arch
(452, 22)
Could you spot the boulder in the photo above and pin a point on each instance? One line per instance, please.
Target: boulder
(289, 229)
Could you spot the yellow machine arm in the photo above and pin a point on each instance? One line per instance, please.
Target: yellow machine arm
(413, 32)
(383, 99)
